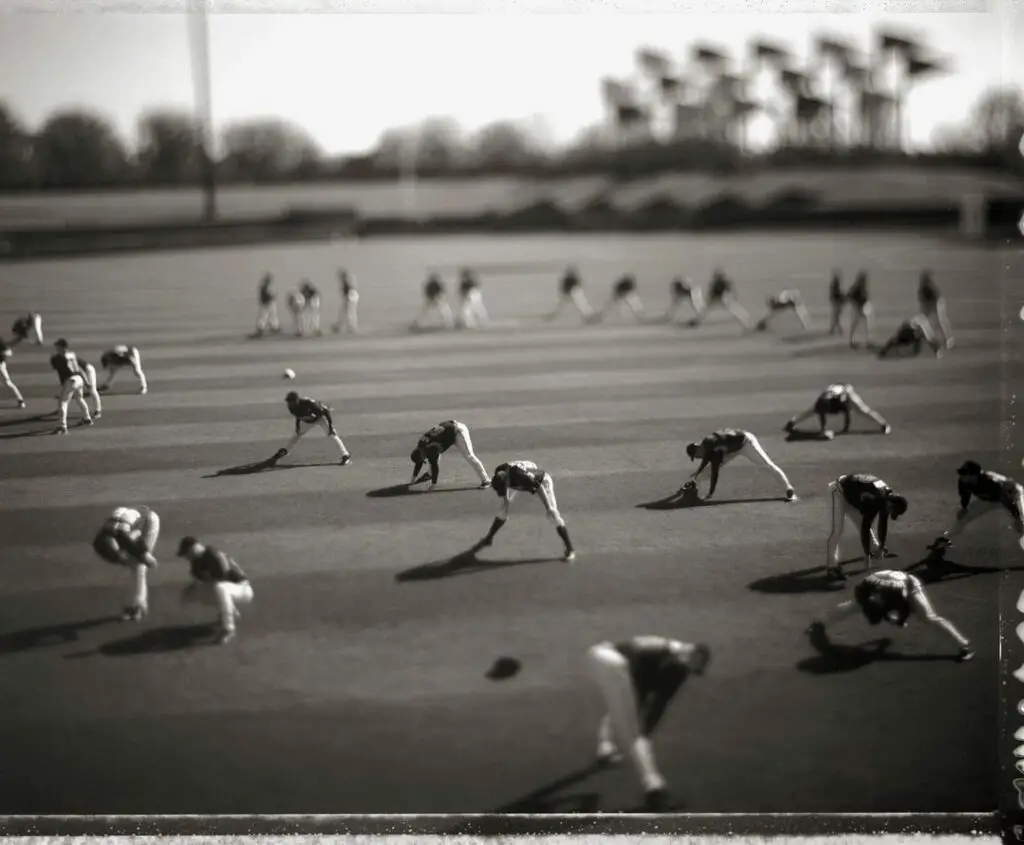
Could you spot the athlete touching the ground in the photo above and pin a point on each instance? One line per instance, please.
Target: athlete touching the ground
(128, 538)
(624, 297)
(892, 596)
(871, 499)
(297, 308)
(933, 308)
(116, 359)
(348, 316)
(472, 313)
(838, 399)
(837, 303)
(435, 298)
(983, 491)
(217, 580)
(72, 383)
(786, 300)
(682, 290)
(439, 440)
(859, 299)
(92, 387)
(571, 293)
(5, 354)
(638, 679)
(722, 446)
(31, 325)
(526, 477)
(909, 338)
(308, 413)
(266, 319)
(722, 292)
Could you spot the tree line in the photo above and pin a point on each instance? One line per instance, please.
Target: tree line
(77, 149)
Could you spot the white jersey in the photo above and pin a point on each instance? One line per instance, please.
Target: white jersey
(892, 580)
(129, 516)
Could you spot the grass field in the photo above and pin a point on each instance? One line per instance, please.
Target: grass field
(832, 187)
(351, 689)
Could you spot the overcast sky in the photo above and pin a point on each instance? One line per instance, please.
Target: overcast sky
(347, 76)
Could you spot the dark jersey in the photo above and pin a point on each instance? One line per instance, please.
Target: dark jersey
(21, 327)
(66, 364)
(864, 493)
(119, 356)
(725, 441)
(990, 487)
(213, 566)
(570, 281)
(858, 292)
(309, 291)
(625, 286)
(927, 293)
(909, 332)
(439, 439)
(347, 286)
(835, 291)
(267, 292)
(653, 664)
(720, 286)
(309, 411)
(522, 476)
(468, 284)
(835, 399)
(434, 288)
(681, 288)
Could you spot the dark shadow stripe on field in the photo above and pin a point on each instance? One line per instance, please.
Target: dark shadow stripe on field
(834, 658)
(813, 579)
(51, 635)
(156, 641)
(941, 569)
(465, 563)
(681, 502)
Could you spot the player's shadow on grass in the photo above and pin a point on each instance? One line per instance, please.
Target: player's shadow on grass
(678, 501)
(798, 436)
(157, 640)
(464, 563)
(35, 432)
(266, 466)
(411, 490)
(833, 658)
(811, 580)
(52, 635)
(939, 569)
(52, 415)
(805, 337)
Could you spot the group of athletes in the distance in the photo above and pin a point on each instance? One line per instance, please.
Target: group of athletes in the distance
(639, 677)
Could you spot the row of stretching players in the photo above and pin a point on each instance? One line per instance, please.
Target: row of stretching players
(77, 377)
(639, 677)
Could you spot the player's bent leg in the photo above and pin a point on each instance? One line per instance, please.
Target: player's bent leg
(465, 444)
(610, 671)
(837, 514)
(755, 452)
(924, 607)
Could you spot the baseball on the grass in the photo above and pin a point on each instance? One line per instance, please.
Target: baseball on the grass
(289, 373)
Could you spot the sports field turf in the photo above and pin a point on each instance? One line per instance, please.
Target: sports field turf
(356, 686)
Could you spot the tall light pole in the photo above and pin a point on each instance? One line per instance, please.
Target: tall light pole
(199, 42)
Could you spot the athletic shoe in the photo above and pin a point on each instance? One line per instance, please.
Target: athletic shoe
(485, 485)
(97, 415)
(816, 627)
(1019, 734)
(611, 758)
(828, 434)
(966, 653)
(133, 613)
(346, 460)
(61, 430)
(886, 429)
(834, 573)
(87, 421)
(226, 637)
(569, 556)
(142, 391)
(656, 800)
(791, 495)
(21, 404)
(788, 427)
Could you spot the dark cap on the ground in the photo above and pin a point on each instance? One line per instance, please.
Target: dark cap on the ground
(504, 667)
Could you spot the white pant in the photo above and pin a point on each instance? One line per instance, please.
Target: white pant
(865, 314)
(977, 508)
(921, 606)
(730, 304)
(348, 318)
(840, 512)
(465, 444)
(310, 323)
(621, 729)
(72, 389)
(92, 388)
(267, 318)
(472, 312)
(136, 365)
(547, 497)
(578, 299)
(223, 595)
(755, 453)
(150, 530)
(442, 307)
(630, 302)
(305, 428)
(10, 385)
(937, 312)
